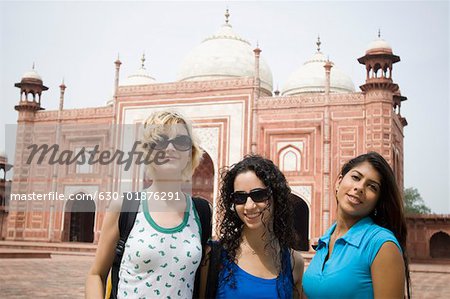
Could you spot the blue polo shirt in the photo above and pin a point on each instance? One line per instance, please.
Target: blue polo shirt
(346, 274)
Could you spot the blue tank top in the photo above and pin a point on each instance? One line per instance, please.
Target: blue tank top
(248, 286)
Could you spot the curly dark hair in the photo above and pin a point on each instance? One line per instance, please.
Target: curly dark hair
(389, 208)
(230, 225)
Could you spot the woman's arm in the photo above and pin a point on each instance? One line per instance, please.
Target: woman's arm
(104, 257)
(388, 272)
(204, 271)
(298, 273)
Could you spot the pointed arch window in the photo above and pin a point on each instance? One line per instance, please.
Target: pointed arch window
(83, 166)
(290, 159)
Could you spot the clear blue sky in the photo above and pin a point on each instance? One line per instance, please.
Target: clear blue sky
(80, 41)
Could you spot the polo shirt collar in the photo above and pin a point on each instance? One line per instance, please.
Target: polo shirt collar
(325, 239)
(353, 236)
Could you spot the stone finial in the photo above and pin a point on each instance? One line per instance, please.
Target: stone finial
(117, 62)
(62, 86)
(257, 50)
(318, 43)
(143, 61)
(227, 15)
(328, 64)
(277, 91)
(379, 33)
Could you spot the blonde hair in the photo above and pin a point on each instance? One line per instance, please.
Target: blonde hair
(155, 124)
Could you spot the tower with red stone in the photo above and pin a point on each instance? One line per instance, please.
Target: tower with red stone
(384, 123)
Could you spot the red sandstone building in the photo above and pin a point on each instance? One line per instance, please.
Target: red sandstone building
(316, 123)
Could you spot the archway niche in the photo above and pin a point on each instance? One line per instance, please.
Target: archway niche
(440, 245)
(301, 223)
(79, 220)
(203, 179)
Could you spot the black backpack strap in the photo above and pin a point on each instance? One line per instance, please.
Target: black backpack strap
(127, 217)
(205, 214)
(215, 260)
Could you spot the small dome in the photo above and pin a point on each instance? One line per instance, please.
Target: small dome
(379, 46)
(310, 77)
(223, 55)
(31, 75)
(140, 77)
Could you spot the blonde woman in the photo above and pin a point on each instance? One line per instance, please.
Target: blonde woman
(163, 250)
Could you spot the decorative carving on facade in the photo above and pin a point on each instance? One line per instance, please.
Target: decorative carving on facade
(309, 99)
(209, 139)
(379, 95)
(304, 192)
(186, 86)
(74, 114)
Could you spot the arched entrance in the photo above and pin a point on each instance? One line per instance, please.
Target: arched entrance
(203, 179)
(440, 245)
(79, 220)
(301, 223)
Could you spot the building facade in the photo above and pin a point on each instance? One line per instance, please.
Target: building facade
(428, 237)
(5, 189)
(309, 129)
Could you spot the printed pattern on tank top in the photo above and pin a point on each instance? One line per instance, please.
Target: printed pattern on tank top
(160, 262)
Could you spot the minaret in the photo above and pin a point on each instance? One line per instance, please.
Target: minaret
(62, 89)
(326, 154)
(31, 88)
(257, 52)
(116, 79)
(384, 124)
(256, 95)
(379, 60)
(328, 65)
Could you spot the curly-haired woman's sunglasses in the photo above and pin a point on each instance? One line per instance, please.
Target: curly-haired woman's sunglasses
(181, 143)
(257, 195)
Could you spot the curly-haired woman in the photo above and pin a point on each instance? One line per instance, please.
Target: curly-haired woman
(252, 258)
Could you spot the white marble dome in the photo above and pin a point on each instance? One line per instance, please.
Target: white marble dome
(32, 75)
(140, 77)
(223, 55)
(379, 46)
(310, 77)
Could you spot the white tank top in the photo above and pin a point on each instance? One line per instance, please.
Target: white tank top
(161, 262)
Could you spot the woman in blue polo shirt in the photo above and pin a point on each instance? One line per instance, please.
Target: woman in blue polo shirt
(363, 254)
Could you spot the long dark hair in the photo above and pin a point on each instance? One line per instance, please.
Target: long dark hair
(389, 208)
(230, 225)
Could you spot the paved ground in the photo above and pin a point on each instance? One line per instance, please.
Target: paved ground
(63, 277)
(57, 277)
